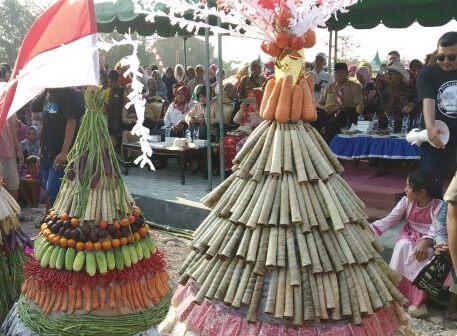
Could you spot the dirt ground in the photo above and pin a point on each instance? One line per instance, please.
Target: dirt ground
(176, 250)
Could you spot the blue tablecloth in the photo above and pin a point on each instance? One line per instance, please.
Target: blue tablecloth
(368, 146)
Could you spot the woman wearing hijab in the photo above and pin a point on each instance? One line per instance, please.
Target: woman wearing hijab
(169, 80)
(174, 118)
(179, 73)
(369, 91)
(31, 145)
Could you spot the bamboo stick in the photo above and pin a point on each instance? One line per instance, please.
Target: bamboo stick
(305, 225)
(294, 273)
(253, 245)
(349, 190)
(237, 300)
(203, 226)
(362, 291)
(255, 301)
(329, 154)
(298, 306)
(280, 294)
(200, 243)
(238, 187)
(298, 157)
(317, 145)
(201, 267)
(271, 295)
(317, 207)
(248, 162)
(321, 292)
(234, 240)
(380, 286)
(244, 245)
(268, 203)
(204, 274)
(187, 262)
(289, 302)
(356, 316)
(272, 248)
(222, 202)
(252, 203)
(363, 236)
(323, 254)
(314, 294)
(345, 203)
(305, 258)
(335, 217)
(223, 267)
(332, 252)
(195, 264)
(309, 207)
(295, 215)
(249, 290)
(234, 281)
(269, 160)
(308, 161)
(287, 150)
(322, 168)
(354, 234)
(396, 294)
(204, 288)
(344, 217)
(218, 239)
(375, 299)
(253, 169)
(345, 248)
(308, 303)
(223, 286)
(239, 206)
(359, 253)
(284, 211)
(226, 240)
(337, 247)
(274, 214)
(259, 267)
(277, 164)
(393, 276)
(252, 140)
(263, 158)
(281, 256)
(263, 198)
(317, 267)
(344, 294)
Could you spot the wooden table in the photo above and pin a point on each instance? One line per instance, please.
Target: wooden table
(162, 149)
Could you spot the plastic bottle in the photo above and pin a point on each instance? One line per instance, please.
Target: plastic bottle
(375, 122)
(360, 118)
(167, 132)
(405, 125)
(189, 135)
(391, 124)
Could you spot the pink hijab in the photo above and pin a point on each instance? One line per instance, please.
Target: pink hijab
(365, 73)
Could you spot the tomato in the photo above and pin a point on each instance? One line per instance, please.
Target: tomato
(310, 39)
(117, 226)
(125, 222)
(64, 243)
(106, 245)
(116, 243)
(297, 43)
(71, 243)
(124, 241)
(64, 217)
(80, 246)
(74, 222)
(132, 219)
(103, 224)
(282, 40)
(97, 246)
(89, 246)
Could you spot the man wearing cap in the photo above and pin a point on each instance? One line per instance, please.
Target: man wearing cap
(398, 99)
(342, 101)
(321, 77)
(437, 88)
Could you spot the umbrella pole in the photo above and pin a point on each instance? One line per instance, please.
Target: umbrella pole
(221, 107)
(208, 110)
(330, 44)
(335, 56)
(184, 42)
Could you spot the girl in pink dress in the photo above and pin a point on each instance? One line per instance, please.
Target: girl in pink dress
(413, 250)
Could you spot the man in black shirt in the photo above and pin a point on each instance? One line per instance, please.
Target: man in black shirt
(437, 88)
(61, 112)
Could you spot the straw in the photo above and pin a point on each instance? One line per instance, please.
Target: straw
(280, 294)
(317, 267)
(263, 198)
(252, 203)
(249, 290)
(328, 152)
(321, 293)
(251, 142)
(309, 207)
(218, 278)
(238, 187)
(240, 205)
(254, 305)
(242, 286)
(281, 256)
(298, 306)
(289, 302)
(274, 215)
(308, 161)
(317, 207)
(271, 295)
(253, 245)
(234, 281)
(305, 258)
(244, 245)
(308, 303)
(314, 294)
(323, 255)
(305, 226)
(330, 301)
(335, 217)
(345, 248)
(292, 258)
(344, 294)
(259, 267)
(234, 241)
(332, 251)
(353, 298)
(223, 286)
(206, 285)
(210, 199)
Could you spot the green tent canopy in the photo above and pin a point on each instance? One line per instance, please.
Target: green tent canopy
(368, 14)
(121, 16)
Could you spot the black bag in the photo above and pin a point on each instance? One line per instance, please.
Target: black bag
(431, 278)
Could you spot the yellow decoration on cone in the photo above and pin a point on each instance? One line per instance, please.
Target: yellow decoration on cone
(290, 63)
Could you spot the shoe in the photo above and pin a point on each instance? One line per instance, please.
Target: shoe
(418, 312)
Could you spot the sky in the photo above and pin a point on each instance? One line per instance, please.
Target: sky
(412, 42)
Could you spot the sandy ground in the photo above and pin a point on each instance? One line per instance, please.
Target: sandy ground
(176, 250)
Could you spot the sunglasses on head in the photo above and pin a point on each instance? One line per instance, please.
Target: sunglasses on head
(450, 58)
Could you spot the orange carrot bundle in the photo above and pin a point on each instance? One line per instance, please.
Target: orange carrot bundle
(297, 102)
(266, 95)
(58, 302)
(72, 300)
(95, 299)
(64, 305)
(125, 301)
(153, 289)
(270, 109)
(87, 299)
(25, 287)
(118, 300)
(102, 298)
(282, 114)
(310, 80)
(112, 298)
(79, 299)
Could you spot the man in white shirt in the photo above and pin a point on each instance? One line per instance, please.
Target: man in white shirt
(322, 77)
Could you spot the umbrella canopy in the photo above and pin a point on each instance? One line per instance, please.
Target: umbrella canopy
(120, 15)
(368, 14)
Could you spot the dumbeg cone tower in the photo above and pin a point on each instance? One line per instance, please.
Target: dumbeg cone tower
(286, 249)
(95, 269)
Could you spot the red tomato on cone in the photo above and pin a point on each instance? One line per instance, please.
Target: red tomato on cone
(297, 43)
(268, 4)
(310, 39)
(271, 48)
(282, 39)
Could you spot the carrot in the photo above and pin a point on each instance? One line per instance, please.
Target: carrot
(102, 298)
(125, 301)
(136, 295)
(24, 287)
(47, 301)
(87, 298)
(112, 299)
(147, 289)
(307, 113)
(266, 95)
(161, 289)
(58, 302)
(42, 298)
(79, 299)
(64, 305)
(72, 300)
(95, 299)
(37, 295)
(51, 302)
(164, 277)
(128, 288)
(118, 297)
(282, 114)
(153, 288)
(270, 108)
(310, 80)
(144, 298)
(297, 101)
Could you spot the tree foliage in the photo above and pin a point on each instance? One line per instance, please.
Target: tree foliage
(16, 17)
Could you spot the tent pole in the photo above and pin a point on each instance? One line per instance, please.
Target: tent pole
(185, 52)
(335, 56)
(330, 44)
(208, 110)
(221, 107)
